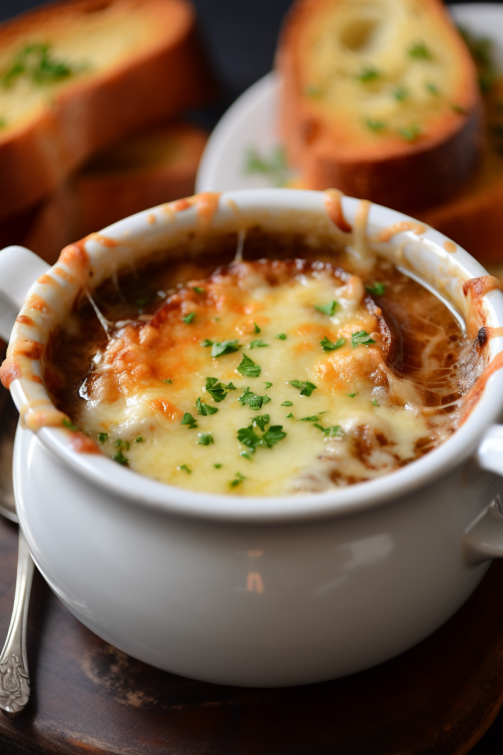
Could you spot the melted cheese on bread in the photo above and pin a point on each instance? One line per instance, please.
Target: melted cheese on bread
(264, 379)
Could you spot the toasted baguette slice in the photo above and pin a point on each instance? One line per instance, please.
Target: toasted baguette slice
(77, 76)
(149, 169)
(474, 216)
(379, 99)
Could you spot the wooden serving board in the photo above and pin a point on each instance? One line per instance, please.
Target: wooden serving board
(438, 698)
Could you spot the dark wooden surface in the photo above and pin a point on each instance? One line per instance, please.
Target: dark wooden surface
(438, 698)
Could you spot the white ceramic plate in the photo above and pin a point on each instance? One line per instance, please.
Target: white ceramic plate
(250, 123)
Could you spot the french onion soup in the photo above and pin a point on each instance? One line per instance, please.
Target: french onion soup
(296, 370)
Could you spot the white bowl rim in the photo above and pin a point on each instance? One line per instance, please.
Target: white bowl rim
(143, 491)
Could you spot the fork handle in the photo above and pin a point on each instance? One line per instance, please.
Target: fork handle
(14, 677)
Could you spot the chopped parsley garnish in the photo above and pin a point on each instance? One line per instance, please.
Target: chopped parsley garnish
(138, 439)
(306, 388)
(37, 62)
(268, 385)
(68, 424)
(143, 301)
(198, 289)
(400, 94)
(374, 402)
(312, 418)
(224, 347)
(218, 390)
(189, 420)
(217, 466)
(205, 439)
(361, 338)
(248, 368)
(262, 420)
(207, 342)
(119, 458)
(188, 318)
(281, 336)
(327, 345)
(377, 289)
(167, 381)
(410, 133)
(287, 403)
(184, 468)
(238, 479)
(102, 437)
(419, 51)
(369, 73)
(119, 443)
(205, 409)
(249, 438)
(374, 125)
(251, 399)
(275, 167)
(289, 415)
(352, 395)
(256, 328)
(246, 455)
(326, 309)
(331, 431)
(432, 88)
(258, 344)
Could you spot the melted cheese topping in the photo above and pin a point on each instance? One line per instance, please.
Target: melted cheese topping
(264, 379)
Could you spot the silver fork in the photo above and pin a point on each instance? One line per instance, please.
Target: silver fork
(14, 678)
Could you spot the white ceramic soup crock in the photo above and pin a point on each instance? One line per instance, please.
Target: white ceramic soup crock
(248, 591)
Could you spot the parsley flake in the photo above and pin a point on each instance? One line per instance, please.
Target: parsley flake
(205, 439)
(335, 430)
(313, 418)
(217, 390)
(238, 479)
(224, 347)
(207, 342)
(258, 344)
(376, 289)
(198, 289)
(419, 51)
(138, 439)
(361, 338)
(281, 336)
(432, 89)
(188, 318)
(256, 328)
(251, 399)
(217, 466)
(119, 443)
(327, 345)
(374, 402)
(119, 458)
(410, 133)
(368, 74)
(261, 421)
(374, 125)
(352, 395)
(268, 385)
(246, 455)
(167, 381)
(205, 409)
(184, 468)
(248, 368)
(326, 309)
(400, 94)
(287, 403)
(102, 437)
(189, 420)
(306, 388)
(68, 424)
(249, 438)
(289, 415)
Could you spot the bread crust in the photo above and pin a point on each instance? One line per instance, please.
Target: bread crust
(406, 175)
(102, 194)
(95, 111)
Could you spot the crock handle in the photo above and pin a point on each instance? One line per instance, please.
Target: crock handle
(484, 540)
(19, 269)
